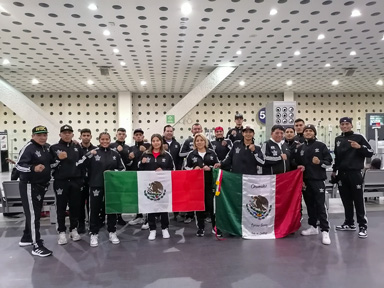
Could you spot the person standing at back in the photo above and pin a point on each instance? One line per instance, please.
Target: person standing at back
(351, 149)
(220, 145)
(299, 128)
(236, 133)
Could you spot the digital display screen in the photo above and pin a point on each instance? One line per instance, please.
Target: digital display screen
(376, 119)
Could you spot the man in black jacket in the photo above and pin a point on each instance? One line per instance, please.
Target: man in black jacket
(220, 145)
(86, 146)
(236, 133)
(172, 146)
(313, 157)
(35, 172)
(67, 184)
(350, 152)
(299, 128)
(276, 152)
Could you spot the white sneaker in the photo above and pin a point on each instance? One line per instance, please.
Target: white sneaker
(326, 240)
(310, 231)
(165, 233)
(62, 238)
(145, 226)
(113, 238)
(74, 235)
(152, 235)
(94, 240)
(136, 221)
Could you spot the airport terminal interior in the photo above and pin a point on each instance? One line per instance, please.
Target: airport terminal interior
(145, 64)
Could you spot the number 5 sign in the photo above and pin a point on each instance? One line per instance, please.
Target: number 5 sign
(261, 115)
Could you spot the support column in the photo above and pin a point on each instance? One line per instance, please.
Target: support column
(194, 97)
(25, 108)
(124, 112)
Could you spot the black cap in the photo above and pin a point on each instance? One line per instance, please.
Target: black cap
(138, 130)
(311, 127)
(66, 128)
(39, 129)
(346, 119)
(238, 115)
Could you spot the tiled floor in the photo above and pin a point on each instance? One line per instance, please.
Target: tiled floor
(187, 261)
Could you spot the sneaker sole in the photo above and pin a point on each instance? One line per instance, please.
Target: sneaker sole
(37, 254)
(345, 229)
(25, 244)
(363, 237)
(114, 242)
(93, 245)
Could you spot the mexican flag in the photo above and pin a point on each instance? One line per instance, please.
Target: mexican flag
(151, 191)
(258, 207)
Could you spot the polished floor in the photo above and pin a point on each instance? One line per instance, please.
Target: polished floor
(187, 261)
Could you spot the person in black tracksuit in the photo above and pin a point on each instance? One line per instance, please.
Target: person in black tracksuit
(299, 128)
(220, 145)
(350, 152)
(172, 146)
(289, 139)
(97, 161)
(185, 149)
(276, 153)
(67, 184)
(203, 158)
(157, 159)
(86, 146)
(245, 157)
(313, 157)
(35, 173)
(135, 152)
(123, 149)
(236, 133)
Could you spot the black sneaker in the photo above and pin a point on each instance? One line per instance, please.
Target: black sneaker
(345, 227)
(25, 241)
(41, 251)
(363, 232)
(200, 233)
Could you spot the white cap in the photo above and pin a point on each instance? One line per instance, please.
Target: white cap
(249, 127)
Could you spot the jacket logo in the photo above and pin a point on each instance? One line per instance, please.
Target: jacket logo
(211, 157)
(114, 157)
(155, 191)
(96, 192)
(38, 197)
(97, 157)
(194, 159)
(273, 147)
(302, 153)
(191, 145)
(76, 149)
(358, 186)
(59, 191)
(237, 150)
(338, 143)
(258, 207)
(317, 150)
(274, 153)
(38, 153)
(321, 190)
(214, 147)
(148, 160)
(163, 160)
(176, 146)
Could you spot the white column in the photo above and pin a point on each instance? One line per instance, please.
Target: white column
(289, 96)
(26, 109)
(194, 97)
(124, 112)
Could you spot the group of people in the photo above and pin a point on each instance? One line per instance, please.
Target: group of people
(77, 169)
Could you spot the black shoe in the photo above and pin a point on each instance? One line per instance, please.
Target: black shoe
(81, 228)
(346, 227)
(25, 241)
(121, 221)
(200, 233)
(363, 232)
(41, 251)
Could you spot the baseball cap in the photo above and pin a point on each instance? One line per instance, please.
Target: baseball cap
(66, 128)
(138, 130)
(346, 119)
(219, 128)
(39, 129)
(238, 115)
(311, 127)
(248, 127)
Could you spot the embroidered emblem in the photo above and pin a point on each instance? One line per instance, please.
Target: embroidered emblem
(237, 150)
(317, 150)
(194, 159)
(96, 192)
(155, 191)
(59, 191)
(338, 143)
(38, 197)
(38, 153)
(274, 153)
(258, 207)
(114, 157)
(97, 157)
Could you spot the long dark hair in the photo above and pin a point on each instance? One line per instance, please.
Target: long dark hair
(150, 149)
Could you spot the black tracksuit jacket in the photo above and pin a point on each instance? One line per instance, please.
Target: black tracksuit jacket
(221, 150)
(274, 164)
(174, 149)
(163, 161)
(237, 136)
(124, 154)
(136, 150)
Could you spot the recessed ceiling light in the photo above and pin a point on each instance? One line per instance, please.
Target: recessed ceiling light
(321, 37)
(279, 64)
(238, 52)
(353, 53)
(92, 6)
(186, 8)
(106, 33)
(327, 65)
(289, 82)
(122, 63)
(241, 83)
(143, 82)
(297, 53)
(6, 62)
(115, 50)
(356, 13)
(335, 83)
(273, 12)
(380, 82)
(35, 81)
(90, 82)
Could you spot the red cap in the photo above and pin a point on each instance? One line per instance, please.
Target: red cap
(218, 128)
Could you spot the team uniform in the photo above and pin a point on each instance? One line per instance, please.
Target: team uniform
(174, 149)
(235, 134)
(220, 149)
(274, 163)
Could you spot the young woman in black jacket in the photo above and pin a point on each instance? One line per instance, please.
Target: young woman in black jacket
(156, 159)
(203, 158)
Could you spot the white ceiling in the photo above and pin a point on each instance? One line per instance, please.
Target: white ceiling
(61, 43)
